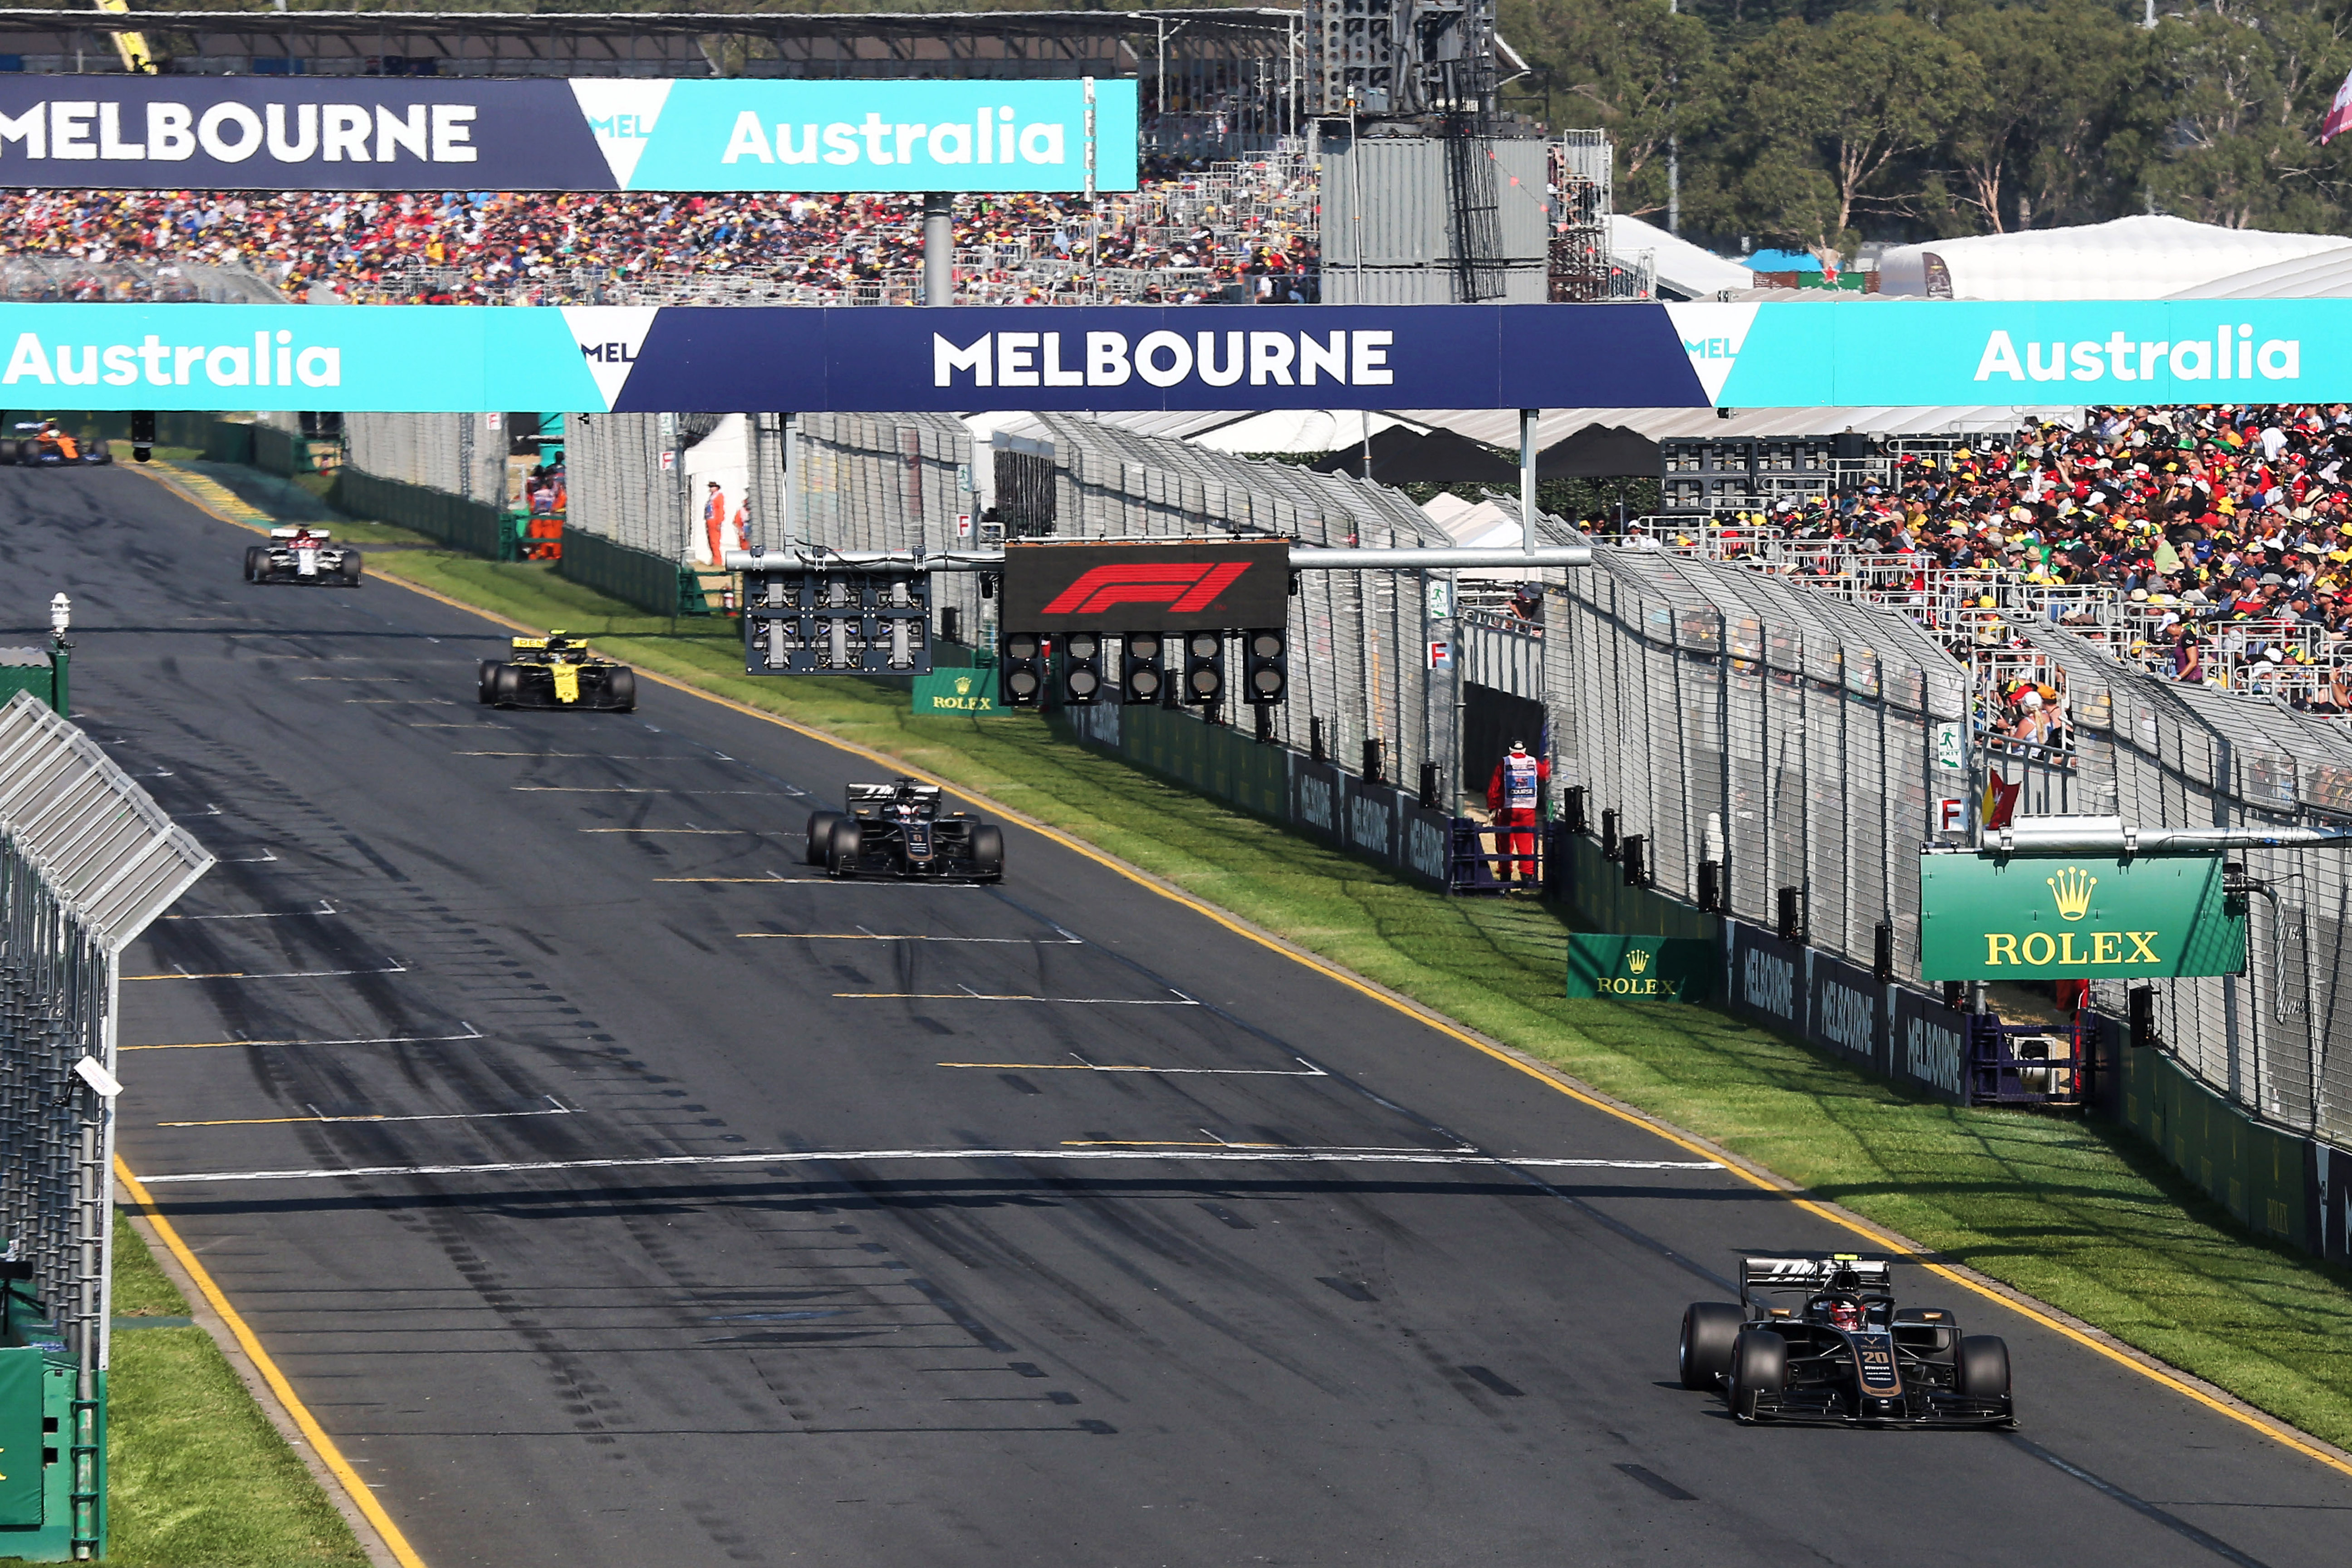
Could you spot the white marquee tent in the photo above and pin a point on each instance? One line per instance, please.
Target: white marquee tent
(2147, 257)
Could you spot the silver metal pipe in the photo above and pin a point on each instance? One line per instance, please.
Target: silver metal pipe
(1527, 418)
(1414, 560)
(2112, 836)
(939, 244)
(1301, 559)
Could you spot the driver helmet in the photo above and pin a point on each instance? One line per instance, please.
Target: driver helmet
(1845, 1315)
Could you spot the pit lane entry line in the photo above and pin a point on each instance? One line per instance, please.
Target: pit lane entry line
(2284, 1436)
(1225, 1154)
(362, 1497)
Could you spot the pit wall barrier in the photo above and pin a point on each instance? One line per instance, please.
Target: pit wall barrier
(476, 527)
(2279, 1183)
(1378, 821)
(622, 572)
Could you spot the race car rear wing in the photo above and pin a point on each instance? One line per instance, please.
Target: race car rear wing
(867, 797)
(290, 532)
(1810, 1274)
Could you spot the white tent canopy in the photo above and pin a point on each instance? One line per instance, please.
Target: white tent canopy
(1685, 270)
(2325, 275)
(2147, 257)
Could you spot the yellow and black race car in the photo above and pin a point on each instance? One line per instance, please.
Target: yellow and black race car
(557, 671)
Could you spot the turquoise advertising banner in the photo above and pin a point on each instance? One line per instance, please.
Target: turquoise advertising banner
(346, 133)
(965, 359)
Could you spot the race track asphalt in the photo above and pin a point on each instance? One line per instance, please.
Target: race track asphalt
(445, 936)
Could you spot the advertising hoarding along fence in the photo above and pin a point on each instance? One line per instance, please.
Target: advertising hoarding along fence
(714, 359)
(354, 135)
(2030, 918)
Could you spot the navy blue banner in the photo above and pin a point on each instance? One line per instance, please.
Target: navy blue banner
(349, 133)
(1165, 357)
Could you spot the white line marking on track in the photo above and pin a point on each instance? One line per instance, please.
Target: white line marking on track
(395, 968)
(471, 1034)
(264, 858)
(968, 994)
(1189, 1072)
(626, 789)
(1065, 940)
(849, 1156)
(324, 909)
(209, 810)
(718, 832)
(561, 1109)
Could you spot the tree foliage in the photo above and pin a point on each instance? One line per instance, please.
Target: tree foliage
(1821, 124)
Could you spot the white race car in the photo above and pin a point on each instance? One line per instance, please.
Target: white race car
(303, 556)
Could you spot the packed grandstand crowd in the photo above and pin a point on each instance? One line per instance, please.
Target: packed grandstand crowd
(2213, 544)
(482, 246)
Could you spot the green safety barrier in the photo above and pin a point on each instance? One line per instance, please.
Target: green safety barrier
(654, 584)
(1643, 968)
(2257, 1173)
(1216, 760)
(476, 527)
(39, 671)
(52, 1445)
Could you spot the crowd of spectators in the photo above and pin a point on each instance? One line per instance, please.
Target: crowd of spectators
(2213, 544)
(475, 247)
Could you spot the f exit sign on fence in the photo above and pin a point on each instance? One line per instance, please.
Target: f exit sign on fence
(2054, 917)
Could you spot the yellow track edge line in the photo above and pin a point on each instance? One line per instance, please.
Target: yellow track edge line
(2041, 1314)
(247, 1341)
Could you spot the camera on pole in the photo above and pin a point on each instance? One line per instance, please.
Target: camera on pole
(1141, 679)
(1204, 668)
(1081, 664)
(1265, 666)
(1021, 670)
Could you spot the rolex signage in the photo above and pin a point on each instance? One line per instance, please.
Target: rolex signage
(2053, 917)
(1643, 968)
(968, 693)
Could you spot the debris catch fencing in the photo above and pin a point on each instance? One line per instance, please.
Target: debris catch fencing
(1799, 739)
(86, 860)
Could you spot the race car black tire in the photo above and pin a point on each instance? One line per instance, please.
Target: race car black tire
(988, 852)
(10, 451)
(354, 566)
(1982, 1367)
(820, 834)
(486, 681)
(102, 455)
(624, 688)
(254, 556)
(843, 847)
(1760, 1364)
(1710, 1329)
(506, 687)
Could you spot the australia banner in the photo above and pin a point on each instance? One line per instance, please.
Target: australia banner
(969, 359)
(262, 133)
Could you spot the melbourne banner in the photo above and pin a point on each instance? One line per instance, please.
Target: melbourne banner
(354, 134)
(2030, 916)
(714, 359)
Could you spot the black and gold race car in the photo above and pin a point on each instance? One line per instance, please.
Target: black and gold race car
(1820, 1341)
(896, 829)
(557, 671)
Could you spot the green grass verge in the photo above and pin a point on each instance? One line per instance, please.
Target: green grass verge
(196, 1476)
(2079, 1214)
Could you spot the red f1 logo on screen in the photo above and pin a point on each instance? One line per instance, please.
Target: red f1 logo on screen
(1185, 587)
(1138, 585)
